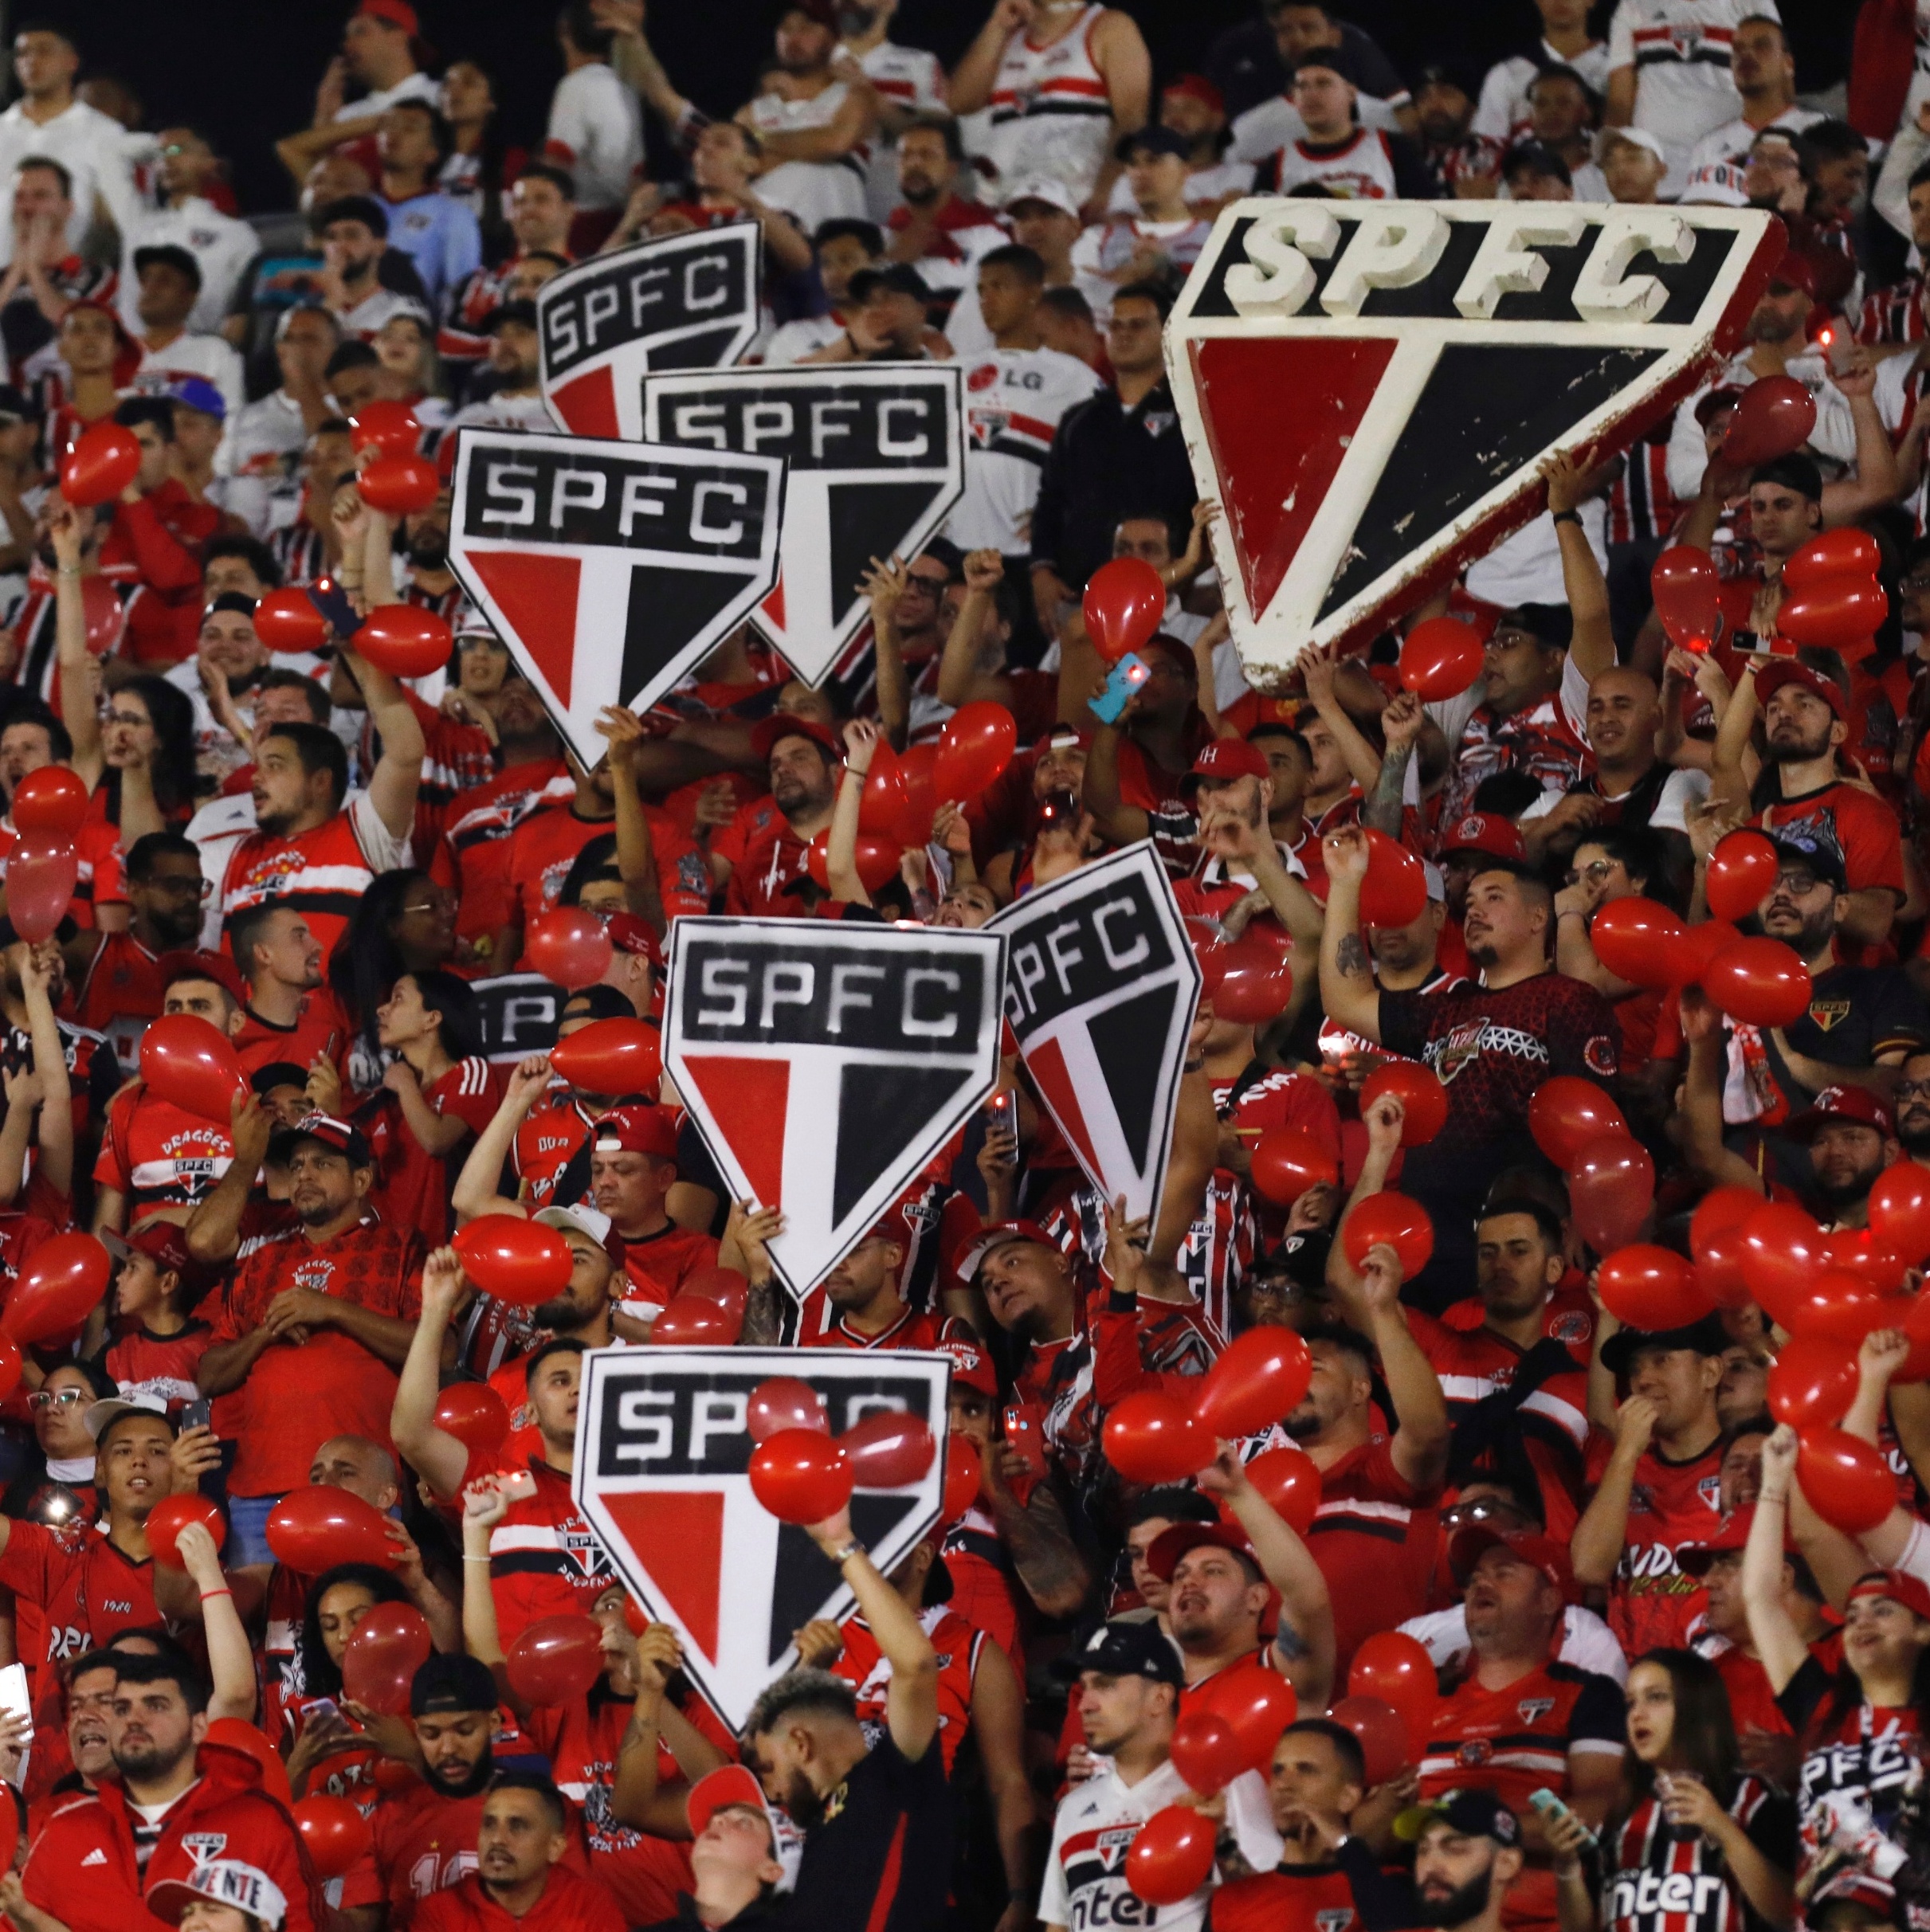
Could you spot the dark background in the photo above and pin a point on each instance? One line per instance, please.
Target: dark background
(246, 71)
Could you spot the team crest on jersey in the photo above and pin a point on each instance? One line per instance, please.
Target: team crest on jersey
(1462, 1045)
(1599, 1056)
(1571, 1328)
(206, 1846)
(1709, 1489)
(1335, 1918)
(1367, 387)
(1829, 1014)
(1533, 1709)
(1113, 1844)
(1476, 1751)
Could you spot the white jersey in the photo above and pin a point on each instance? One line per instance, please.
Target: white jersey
(1014, 400)
(1501, 114)
(596, 131)
(92, 146)
(1085, 1887)
(1103, 251)
(911, 80)
(1262, 131)
(263, 443)
(418, 86)
(815, 192)
(1358, 170)
(505, 412)
(1204, 186)
(222, 247)
(1051, 112)
(1680, 51)
(366, 320)
(792, 341)
(206, 356)
(1834, 437)
(1727, 147)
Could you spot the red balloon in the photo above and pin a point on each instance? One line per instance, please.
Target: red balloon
(1171, 1855)
(1845, 552)
(1258, 1704)
(1697, 951)
(390, 1645)
(286, 620)
(800, 1476)
(238, 1735)
(1741, 870)
(1152, 1438)
(1419, 1092)
(724, 1286)
(1396, 1668)
(391, 427)
(1900, 1209)
(1782, 1253)
(59, 1287)
(1566, 1112)
(1846, 1481)
(1611, 1191)
(886, 798)
(964, 1474)
(611, 1057)
(1859, 1252)
(1393, 1218)
(313, 1530)
(521, 1262)
(10, 1365)
(1775, 416)
(41, 873)
(1395, 890)
(1288, 1161)
(1440, 659)
(569, 945)
(890, 1448)
(404, 640)
(103, 461)
(1715, 1240)
(874, 859)
(1635, 938)
(475, 1415)
(1383, 1735)
(1839, 1305)
(695, 1321)
(973, 749)
(918, 765)
(334, 1832)
(190, 1063)
(1650, 1287)
(1206, 1751)
(1258, 1379)
(1814, 1380)
(1836, 615)
(170, 1516)
(1759, 981)
(1289, 1480)
(557, 1658)
(1688, 594)
(50, 803)
(399, 486)
(1252, 979)
(105, 615)
(784, 1402)
(1124, 600)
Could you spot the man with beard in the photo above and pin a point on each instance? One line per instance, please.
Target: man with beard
(767, 845)
(876, 1818)
(1467, 1857)
(1492, 1044)
(312, 1325)
(520, 1841)
(933, 221)
(428, 580)
(354, 235)
(287, 1013)
(863, 1307)
(98, 1857)
(515, 401)
(1805, 722)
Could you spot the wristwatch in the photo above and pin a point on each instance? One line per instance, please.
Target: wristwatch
(853, 1548)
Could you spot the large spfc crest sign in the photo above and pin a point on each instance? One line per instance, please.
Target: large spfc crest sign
(1101, 986)
(609, 569)
(682, 302)
(826, 1064)
(663, 1457)
(1367, 387)
(874, 459)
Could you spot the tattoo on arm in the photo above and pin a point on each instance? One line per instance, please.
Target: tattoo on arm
(763, 1324)
(1383, 809)
(1288, 1641)
(1351, 957)
(1044, 1553)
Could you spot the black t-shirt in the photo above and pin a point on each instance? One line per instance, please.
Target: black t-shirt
(881, 1861)
(1856, 1012)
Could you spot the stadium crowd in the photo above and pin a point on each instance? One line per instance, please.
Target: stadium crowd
(1587, 1617)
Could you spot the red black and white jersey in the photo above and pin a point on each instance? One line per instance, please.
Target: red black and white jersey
(868, 1670)
(1086, 1871)
(1659, 1877)
(544, 1559)
(144, 1363)
(1014, 400)
(320, 874)
(1652, 1602)
(122, 991)
(1895, 314)
(472, 858)
(156, 1153)
(1359, 169)
(822, 1326)
(300, 549)
(1184, 1338)
(552, 1135)
(1374, 1538)
(1289, 1898)
(1336, 1042)
(1545, 742)
(1641, 503)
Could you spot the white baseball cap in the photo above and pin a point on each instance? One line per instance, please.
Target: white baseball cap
(1638, 137)
(1043, 188)
(227, 1881)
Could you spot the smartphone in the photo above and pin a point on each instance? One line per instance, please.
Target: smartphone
(331, 601)
(14, 1694)
(1550, 1806)
(197, 1414)
(998, 1109)
(1023, 1432)
(1127, 674)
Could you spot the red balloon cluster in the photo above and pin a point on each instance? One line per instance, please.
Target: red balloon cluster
(801, 1476)
(1611, 1181)
(1832, 598)
(521, 1262)
(286, 620)
(1899, 1210)
(1124, 600)
(1440, 659)
(1154, 1437)
(1395, 1670)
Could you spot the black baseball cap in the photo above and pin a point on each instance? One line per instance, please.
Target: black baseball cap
(524, 313)
(900, 277)
(1707, 1337)
(448, 1683)
(338, 1136)
(1122, 1648)
(1797, 845)
(1160, 140)
(167, 254)
(1472, 1811)
(1338, 60)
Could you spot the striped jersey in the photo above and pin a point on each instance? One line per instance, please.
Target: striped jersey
(320, 874)
(1680, 51)
(1013, 399)
(1375, 1537)
(1663, 1878)
(1051, 113)
(1895, 314)
(1085, 1886)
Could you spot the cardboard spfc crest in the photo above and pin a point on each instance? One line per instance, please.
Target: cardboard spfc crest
(825, 1064)
(609, 569)
(874, 459)
(1101, 986)
(680, 302)
(1367, 387)
(663, 1455)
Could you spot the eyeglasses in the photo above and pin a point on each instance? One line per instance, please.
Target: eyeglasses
(1484, 1509)
(134, 720)
(1801, 883)
(58, 1398)
(1594, 874)
(926, 585)
(1912, 1090)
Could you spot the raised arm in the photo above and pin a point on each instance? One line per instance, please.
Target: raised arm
(79, 670)
(840, 844)
(475, 1192)
(1777, 1641)
(911, 1703)
(435, 1454)
(398, 776)
(231, 1659)
(1420, 1445)
(1120, 823)
(1347, 990)
(56, 1137)
(882, 584)
(1592, 648)
(635, 855)
(960, 680)
(970, 87)
(213, 1230)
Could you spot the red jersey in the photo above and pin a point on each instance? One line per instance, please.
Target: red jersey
(983, 1582)
(321, 1032)
(472, 858)
(298, 1396)
(162, 536)
(551, 1136)
(320, 874)
(657, 1265)
(568, 1903)
(868, 1670)
(154, 1153)
(1289, 1898)
(544, 1558)
(143, 1362)
(122, 991)
(765, 856)
(543, 847)
(1373, 1537)
(1752, 1704)
(1651, 1601)
(412, 1185)
(1261, 1097)
(1850, 822)
(457, 757)
(912, 1330)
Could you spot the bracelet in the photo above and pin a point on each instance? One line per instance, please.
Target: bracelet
(468, 1558)
(1779, 1499)
(853, 1548)
(67, 569)
(207, 1595)
(1567, 517)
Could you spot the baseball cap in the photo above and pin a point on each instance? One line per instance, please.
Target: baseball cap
(1797, 845)
(1730, 1540)
(264, 1080)
(629, 933)
(167, 255)
(397, 12)
(1163, 1553)
(733, 1784)
(198, 393)
(971, 1255)
(1551, 626)
(1472, 1812)
(1043, 188)
(637, 1129)
(1636, 137)
(336, 1136)
(524, 313)
(823, 12)
(899, 277)
(1793, 272)
(1898, 1585)
(1786, 671)
(585, 1220)
(1123, 1649)
(1227, 758)
(227, 1881)
(1723, 396)
(1707, 1337)
(1196, 86)
(1538, 1552)
(98, 1418)
(766, 732)
(218, 967)
(971, 1368)
(1499, 837)
(1157, 140)
(1338, 60)
(1857, 1105)
(449, 1682)
(163, 1242)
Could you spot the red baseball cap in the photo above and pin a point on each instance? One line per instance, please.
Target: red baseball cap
(1538, 1552)
(1227, 758)
(641, 1129)
(163, 1242)
(1499, 837)
(766, 732)
(971, 1368)
(1855, 1104)
(1789, 671)
(972, 1252)
(197, 965)
(628, 934)
(1163, 1553)
(1898, 1586)
(1196, 86)
(396, 13)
